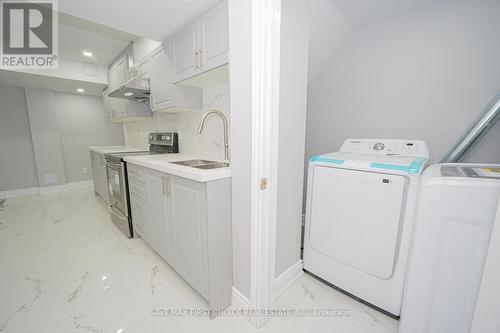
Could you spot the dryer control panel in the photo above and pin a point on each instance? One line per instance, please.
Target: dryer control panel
(385, 147)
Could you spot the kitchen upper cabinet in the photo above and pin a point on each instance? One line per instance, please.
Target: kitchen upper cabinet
(160, 81)
(188, 200)
(165, 95)
(117, 74)
(214, 38)
(108, 110)
(184, 46)
(201, 46)
(118, 109)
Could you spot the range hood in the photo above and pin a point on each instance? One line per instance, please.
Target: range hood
(136, 89)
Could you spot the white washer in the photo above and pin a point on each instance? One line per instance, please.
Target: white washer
(360, 204)
(458, 204)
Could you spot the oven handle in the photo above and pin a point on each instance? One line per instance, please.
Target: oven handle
(117, 214)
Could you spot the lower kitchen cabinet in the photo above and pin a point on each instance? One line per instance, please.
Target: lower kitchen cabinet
(99, 175)
(161, 229)
(188, 223)
(188, 202)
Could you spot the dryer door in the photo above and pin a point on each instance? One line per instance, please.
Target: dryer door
(356, 217)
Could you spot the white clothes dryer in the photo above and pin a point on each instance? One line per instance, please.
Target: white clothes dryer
(359, 212)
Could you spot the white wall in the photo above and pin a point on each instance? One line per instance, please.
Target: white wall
(209, 144)
(81, 123)
(423, 75)
(327, 30)
(142, 46)
(240, 59)
(46, 135)
(46, 140)
(17, 160)
(291, 135)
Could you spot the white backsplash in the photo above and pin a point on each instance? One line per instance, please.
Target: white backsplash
(209, 144)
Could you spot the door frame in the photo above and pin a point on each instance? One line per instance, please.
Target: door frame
(266, 26)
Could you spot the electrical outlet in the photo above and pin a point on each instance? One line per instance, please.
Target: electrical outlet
(85, 171)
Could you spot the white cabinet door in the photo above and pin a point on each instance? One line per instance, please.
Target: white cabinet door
(160, 79)
(184, 52)
(108, 110)
(117, 74)
(117, 77)
(214, 38)
(188, 202)
(143, 68)
(119, 107)
(158, 187)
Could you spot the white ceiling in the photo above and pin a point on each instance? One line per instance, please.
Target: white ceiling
(154, 19)
(77, 35)
(363, 12)
(21, 79)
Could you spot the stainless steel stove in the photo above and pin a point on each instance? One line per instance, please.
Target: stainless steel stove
(119, 207)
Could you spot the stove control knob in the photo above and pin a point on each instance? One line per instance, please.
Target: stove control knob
(378, 146)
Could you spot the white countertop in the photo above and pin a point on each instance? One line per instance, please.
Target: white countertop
(115, 149)
(163, 163)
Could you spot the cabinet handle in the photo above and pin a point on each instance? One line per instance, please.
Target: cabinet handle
(163, 185)
(195, 59)
(168, 186)
(198, 59)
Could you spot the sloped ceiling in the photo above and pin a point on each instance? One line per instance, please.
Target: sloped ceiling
(363, 12)
(328, 29)
(332, 21)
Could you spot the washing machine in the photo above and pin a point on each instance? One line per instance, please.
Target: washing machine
(359, 212)
(448, 288)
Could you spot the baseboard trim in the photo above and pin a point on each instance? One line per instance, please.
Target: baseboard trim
(24, 192)
(287, 278)
(53, 189)
(83, 184)
(31, 191)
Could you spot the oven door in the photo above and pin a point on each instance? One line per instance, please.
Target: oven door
(117, 187)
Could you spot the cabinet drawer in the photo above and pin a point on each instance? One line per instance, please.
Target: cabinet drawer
(139, 222)
(139, 209)
(138, 191)
(136, 174)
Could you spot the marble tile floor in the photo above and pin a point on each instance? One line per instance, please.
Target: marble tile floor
(64, 267)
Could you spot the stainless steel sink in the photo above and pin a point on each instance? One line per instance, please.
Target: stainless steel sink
(211, 166)
(202, 164)
(194, 162)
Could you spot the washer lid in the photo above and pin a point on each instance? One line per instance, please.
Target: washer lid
(401, 163)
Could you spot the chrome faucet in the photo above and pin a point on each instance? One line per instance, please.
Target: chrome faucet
(224, 122)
